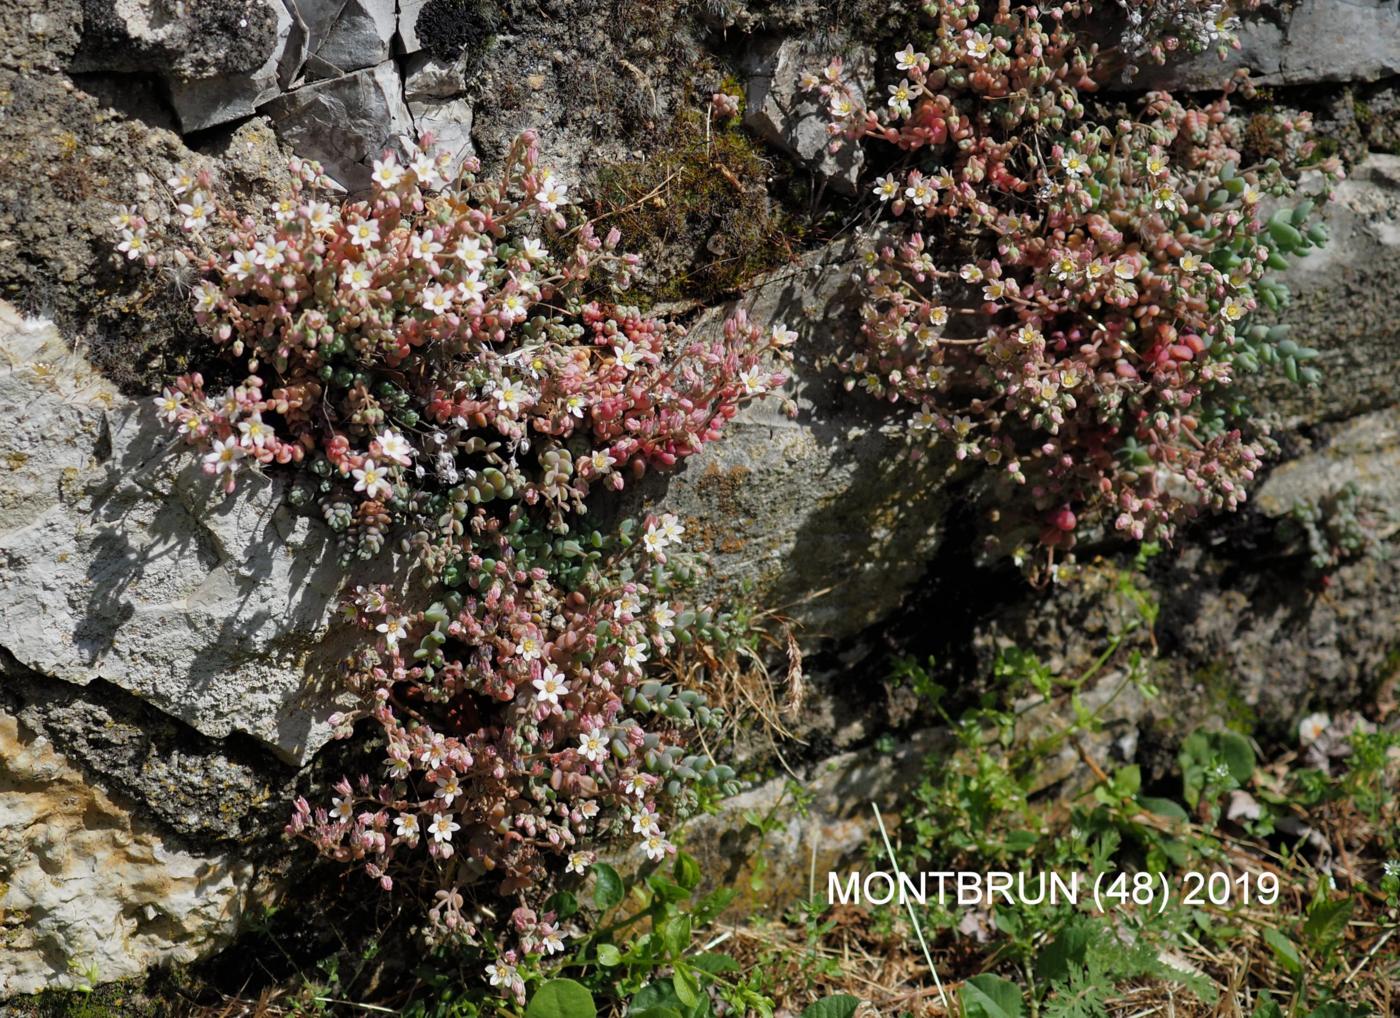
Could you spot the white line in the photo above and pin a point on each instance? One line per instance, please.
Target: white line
(889, 849)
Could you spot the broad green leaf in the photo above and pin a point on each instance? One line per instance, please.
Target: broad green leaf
(561, 998)
(840, 1005)
(687, 987)
(1284, 950)
(714, 963)
(607, 886)
(989, 996)
(687, 871)
(608, 955)
(1162, 807)
(1326, 921)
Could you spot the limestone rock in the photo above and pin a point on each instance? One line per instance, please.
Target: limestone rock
(824, 515)
(427, 77)
(450, 124)
(208, 101)
(1346, 305)
(1365, 453)
(795, 121)
(120, 564)
(1313, 41)
(349, 35)
(88, 892)
(408, 41)
(344, 122)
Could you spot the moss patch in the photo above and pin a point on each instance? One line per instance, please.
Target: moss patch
(698, 210)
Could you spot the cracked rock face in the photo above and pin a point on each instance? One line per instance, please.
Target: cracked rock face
(154, 903)
(119, 564)
(1313, 41)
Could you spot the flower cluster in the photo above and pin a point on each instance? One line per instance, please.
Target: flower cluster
(1066, 300)
(433, 363)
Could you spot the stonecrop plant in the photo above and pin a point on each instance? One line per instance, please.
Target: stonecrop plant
(1068, 292)
(434, 366)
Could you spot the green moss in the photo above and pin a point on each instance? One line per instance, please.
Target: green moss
(1214, 680)
(125, 999)
(698, 210)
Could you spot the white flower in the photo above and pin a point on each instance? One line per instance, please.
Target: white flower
(371, 480)
(206, 298)
(133, 244)
(510, 396)
(343, 809)
(1156, 165)
(782, 335)
(436, 298)
(646, 821)
(1392, 868)
(357, 276)
(424, 247)
(407, 824)
(552, 942)
(906, 59)
(468, 251)
(196, 211)
(629, 356)
(753, 380)
(1164, 198)
(663, 616)
(399, 767)
(900, 96)
(573, 406)
(254, 431)
(589, 809)
(938, 316)
(924, 419)
(1065, 268)
(1233, 310)
(550, 686)
(994, 290)
(634, 656)
(434, 754)
(448, 788)
(393, 446)
(1189, 262)
(1310, 729)
(443, 827)
(1074, 164)
(269, 253)
(841, 107)
(364, 233)
(513, 307)
(669, 526)
(886, 187)
(601, 460)
(653, 542)
(591, 746)
(1125, 269)
(628, 604)
(501, 973)
(920, 193)
(578, 863)
(318, 215)
(533, 250)
(394, 628)
(638, 785)
(970, 273)
(1028, 335)
(471, 289)
(551, 194)
(387, 172)
(170, 403)
(979, 47)
(225, 456)
(529, 647)
(424, 167)
(656, 846)
(181, 181)
(284, 211)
